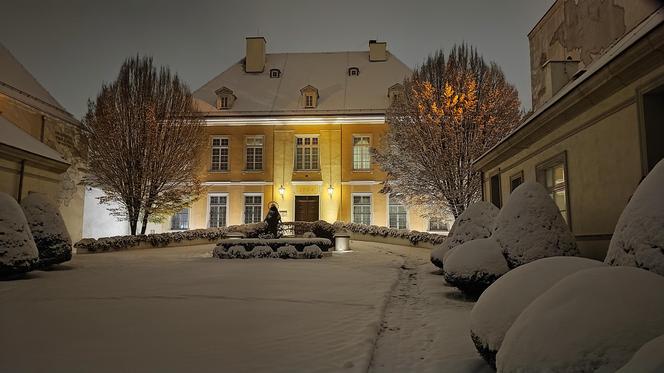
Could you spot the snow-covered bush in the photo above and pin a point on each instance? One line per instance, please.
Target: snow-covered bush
(504, 300)
(474, 265)
(237, 252)
(48, 229)
(530, 227)
(474, 223)
(648, 359)
(18, 252)
(298, 242)
(309, 235)
(592, 320)
(312, 252)
(414, 237)
(638, 240)
(287, 252)
(262, 251)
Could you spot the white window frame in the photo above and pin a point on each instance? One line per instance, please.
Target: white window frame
(220, 147)
(252, 146)
(207, 218)
(309, 100)
(435, 231)
(244, 206)
(388, 214)
(303, 137)
(188, 220)
(352, 206)
(357, 136)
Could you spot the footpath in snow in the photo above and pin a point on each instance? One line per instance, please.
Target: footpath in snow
(378, 308)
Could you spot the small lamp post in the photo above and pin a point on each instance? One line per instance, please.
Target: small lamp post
(282, 191)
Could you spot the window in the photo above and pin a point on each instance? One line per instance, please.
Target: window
(275, 73)
(552, 174)
(309, 97)
(361, 153)
(309, 101)
(495, 191)
(353, 71)
(306, 153)
(225, 98)
(437, 225)
(254, 152)
(180, 220)
(223, 102)
(218, 208)
(219, 154)
(397, 215)
(361, 209)
(515, 181)
(394, 92)
(253, 208)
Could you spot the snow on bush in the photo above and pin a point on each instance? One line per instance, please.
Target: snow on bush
(504, 300)
(298, 242)
(237, 252)
(474, 265)
(48, 229)
(414, 237)
(262, 251)
(287, 252)
(309, 235)
(530, 227)
(592, 320)
(312, 252)
(475, 222)
(18, 252)
(648, 359)
(638, 240)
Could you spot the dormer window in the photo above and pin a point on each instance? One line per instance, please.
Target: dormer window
(309, 97)
(275, 73)
(395, 92)
(353, 71)
(225, 98)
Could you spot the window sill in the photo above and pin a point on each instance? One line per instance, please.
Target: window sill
(219, 171)
(363, 170)
(305, 171)
(253, 171)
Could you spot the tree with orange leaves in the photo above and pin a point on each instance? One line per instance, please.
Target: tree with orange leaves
(451, 111)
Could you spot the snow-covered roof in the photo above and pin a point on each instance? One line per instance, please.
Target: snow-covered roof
(16, 138)
(17, 83)
(619, 48)
(258, 94)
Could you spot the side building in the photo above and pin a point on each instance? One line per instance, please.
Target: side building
(296, 129)
(597, 127)
(38, 143)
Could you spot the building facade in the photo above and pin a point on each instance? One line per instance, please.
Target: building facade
(296, 129)
(597, 71)
(38, 144)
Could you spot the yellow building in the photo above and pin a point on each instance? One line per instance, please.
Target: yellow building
(38, 139)
(297, 129)
(597, 71)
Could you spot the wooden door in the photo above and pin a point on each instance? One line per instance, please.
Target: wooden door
(306, 208)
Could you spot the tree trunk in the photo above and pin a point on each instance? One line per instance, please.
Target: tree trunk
(145, 222)
(133, 222)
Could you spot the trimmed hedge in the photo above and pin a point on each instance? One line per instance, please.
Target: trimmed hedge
(275, 243)
(414, 237)
(165, 239)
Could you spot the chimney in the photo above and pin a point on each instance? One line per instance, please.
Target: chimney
(377, 51)
(254, 61)
(557, 74)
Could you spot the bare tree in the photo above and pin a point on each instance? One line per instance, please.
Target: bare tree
(451, 111)
(144, 137)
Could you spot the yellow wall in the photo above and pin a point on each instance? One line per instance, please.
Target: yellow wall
(64, 189)
(602, 146)
(336, 169)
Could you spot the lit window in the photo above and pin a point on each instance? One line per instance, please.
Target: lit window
(397, 215)
(253, 208)
(254, 152)
(361, 209)
(353, 71)
(275, 73)
(218, 207)
(437, 225)
(361, 153)
(180, 220)
(552, 175)
(306, 153)
(219, 154)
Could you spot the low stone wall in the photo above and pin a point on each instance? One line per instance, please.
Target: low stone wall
(389, 240)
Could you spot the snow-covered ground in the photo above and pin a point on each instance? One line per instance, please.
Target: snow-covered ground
(378, 308)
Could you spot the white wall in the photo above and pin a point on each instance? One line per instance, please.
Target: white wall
(97, 220)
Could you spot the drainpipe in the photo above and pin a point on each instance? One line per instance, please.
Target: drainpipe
(20, 180)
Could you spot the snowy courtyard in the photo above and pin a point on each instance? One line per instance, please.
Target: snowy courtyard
(378, 308)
